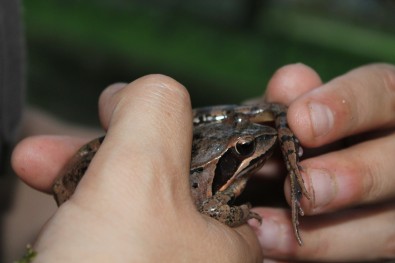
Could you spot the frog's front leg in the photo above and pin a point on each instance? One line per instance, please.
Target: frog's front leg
(218, 208)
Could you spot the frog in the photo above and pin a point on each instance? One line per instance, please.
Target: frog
(230, 143)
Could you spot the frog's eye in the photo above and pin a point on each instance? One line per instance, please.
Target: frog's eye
(245, 146)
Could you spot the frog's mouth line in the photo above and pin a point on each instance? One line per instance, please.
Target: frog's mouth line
(253, 166)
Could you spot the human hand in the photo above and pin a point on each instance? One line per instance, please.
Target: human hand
(352, 181)
(134, 202)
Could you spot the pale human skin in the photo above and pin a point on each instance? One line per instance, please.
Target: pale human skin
(137, 208)
(362, 174)
(132, 207)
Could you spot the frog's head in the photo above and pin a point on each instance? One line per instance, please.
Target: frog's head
(224, 153)
(247, 151)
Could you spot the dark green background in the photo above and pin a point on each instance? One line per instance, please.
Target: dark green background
(223, 51)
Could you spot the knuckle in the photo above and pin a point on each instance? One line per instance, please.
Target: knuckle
(388, 76)
(389, 83)
(374, 89)
(377, 168)
(374, 186)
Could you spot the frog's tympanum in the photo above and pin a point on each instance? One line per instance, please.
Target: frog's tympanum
(229, 144)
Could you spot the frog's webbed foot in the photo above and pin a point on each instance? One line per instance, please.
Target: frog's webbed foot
(218, 208)
(291, 151)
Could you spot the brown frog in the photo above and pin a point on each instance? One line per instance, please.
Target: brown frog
(229, 144)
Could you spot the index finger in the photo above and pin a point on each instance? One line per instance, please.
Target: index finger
(358, 101)
(291, 81)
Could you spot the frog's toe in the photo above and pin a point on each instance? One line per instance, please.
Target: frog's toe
(256, 216)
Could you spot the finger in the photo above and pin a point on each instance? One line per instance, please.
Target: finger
(291, 81)
(106, 102)
(338, 238)
(361, 174)
(38, 160)
(358, 101)
(146, 152)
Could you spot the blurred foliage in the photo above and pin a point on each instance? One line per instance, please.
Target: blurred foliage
(223, 51)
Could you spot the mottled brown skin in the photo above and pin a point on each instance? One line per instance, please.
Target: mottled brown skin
(229, 144)
(217, 206)
(65, 185)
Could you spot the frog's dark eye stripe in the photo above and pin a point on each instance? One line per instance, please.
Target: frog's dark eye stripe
(226, 168)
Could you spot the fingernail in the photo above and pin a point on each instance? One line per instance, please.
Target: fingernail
(321, 117)
(270, 234)
(114, 88)
(324, 186)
